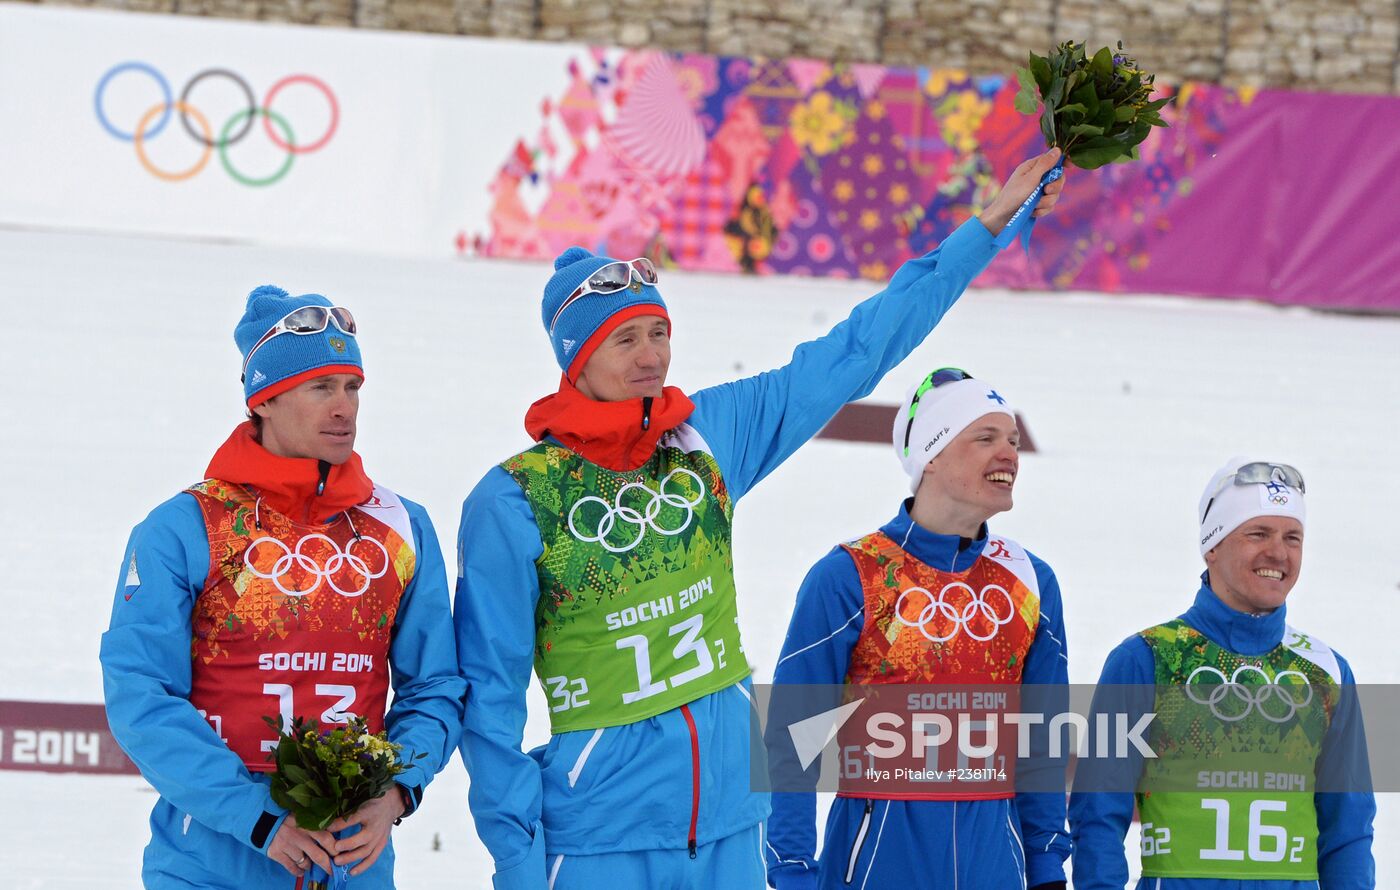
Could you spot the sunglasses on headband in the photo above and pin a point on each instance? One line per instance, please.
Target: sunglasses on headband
(303, 321)
(608, 279)
(932, 381)
(1259, 472)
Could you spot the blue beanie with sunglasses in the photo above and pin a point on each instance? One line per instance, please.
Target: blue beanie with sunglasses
(576, 327)
(286, 360)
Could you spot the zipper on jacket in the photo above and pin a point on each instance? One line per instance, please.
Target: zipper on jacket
(860, 840)
(323, 473)
(694, 777)
(646, 412)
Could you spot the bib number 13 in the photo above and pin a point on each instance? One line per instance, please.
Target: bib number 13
(690, 642)
(337, 713)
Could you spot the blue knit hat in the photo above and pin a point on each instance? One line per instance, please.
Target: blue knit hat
(287, 360)
(585, 322)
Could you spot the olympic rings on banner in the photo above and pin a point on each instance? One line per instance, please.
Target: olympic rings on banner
(267, 115)
(961, 619)
(642, 519)
(247, 114)
(1253, 696)
(294, 556)
(247, 94)
(102, 89)
(153, 122)
(139, 137)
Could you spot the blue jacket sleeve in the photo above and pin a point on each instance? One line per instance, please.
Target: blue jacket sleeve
(1344, 819)
(1099, 820)
(1042, 813)
(753, 425)
(146, 680)
(826, 622)
(426, 716)
(497, 588)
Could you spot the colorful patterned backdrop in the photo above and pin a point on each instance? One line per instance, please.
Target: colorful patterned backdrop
(809, 168)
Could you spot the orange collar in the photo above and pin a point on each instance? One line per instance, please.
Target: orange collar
(293, 486)
(618, 435)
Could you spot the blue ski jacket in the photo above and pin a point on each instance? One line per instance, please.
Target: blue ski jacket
(1099, 820)
(215, 819)
(630, 787)
(973, 845)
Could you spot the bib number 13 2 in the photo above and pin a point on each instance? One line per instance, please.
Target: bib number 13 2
(690, 642)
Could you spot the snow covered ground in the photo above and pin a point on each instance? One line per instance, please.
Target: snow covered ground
(120, 378)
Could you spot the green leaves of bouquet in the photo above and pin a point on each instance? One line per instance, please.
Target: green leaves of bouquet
(1096, 108)
(321, 776)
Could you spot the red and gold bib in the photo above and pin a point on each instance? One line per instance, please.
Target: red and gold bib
(295, 619)
(923, 625)
(926, 627)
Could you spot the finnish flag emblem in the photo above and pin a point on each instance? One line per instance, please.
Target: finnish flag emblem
(133, 579)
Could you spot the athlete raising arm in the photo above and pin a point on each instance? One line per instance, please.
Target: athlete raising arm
(601, 558)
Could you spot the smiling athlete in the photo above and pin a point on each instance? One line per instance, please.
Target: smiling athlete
(1233, 654)
(868, 614)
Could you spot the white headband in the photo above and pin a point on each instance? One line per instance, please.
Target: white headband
(1225, 506)
(941, 414)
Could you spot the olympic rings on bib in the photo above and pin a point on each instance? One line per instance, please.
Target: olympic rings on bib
(338, 559)
(152, 122)
(1253, 695)
(938, 606)
(642, 519)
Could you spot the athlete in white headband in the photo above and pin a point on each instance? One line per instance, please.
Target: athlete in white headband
(1234, 655)
(932, 598)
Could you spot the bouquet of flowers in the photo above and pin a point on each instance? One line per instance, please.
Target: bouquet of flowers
(321, 776)
(1096, 108)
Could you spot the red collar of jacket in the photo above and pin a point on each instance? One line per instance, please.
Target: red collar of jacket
(293, 486)
(618, 435)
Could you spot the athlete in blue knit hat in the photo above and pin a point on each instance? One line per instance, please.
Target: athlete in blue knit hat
(286, 583)
(1260, 718)
(600, 558)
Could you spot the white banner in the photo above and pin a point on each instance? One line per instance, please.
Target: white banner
(154, 124)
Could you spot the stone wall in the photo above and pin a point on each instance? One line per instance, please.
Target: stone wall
(1337, 45)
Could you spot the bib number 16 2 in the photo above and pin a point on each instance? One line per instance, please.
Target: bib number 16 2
(1266, 843)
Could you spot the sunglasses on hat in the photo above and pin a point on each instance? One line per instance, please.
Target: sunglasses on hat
(932, 381)
(303, 321)
(608, 279)
(1258, 472)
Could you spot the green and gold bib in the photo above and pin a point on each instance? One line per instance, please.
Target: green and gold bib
(1237, 739)
(637, 612)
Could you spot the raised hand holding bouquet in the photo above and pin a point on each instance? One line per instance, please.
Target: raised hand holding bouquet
(335, 779)
(1096, 109)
